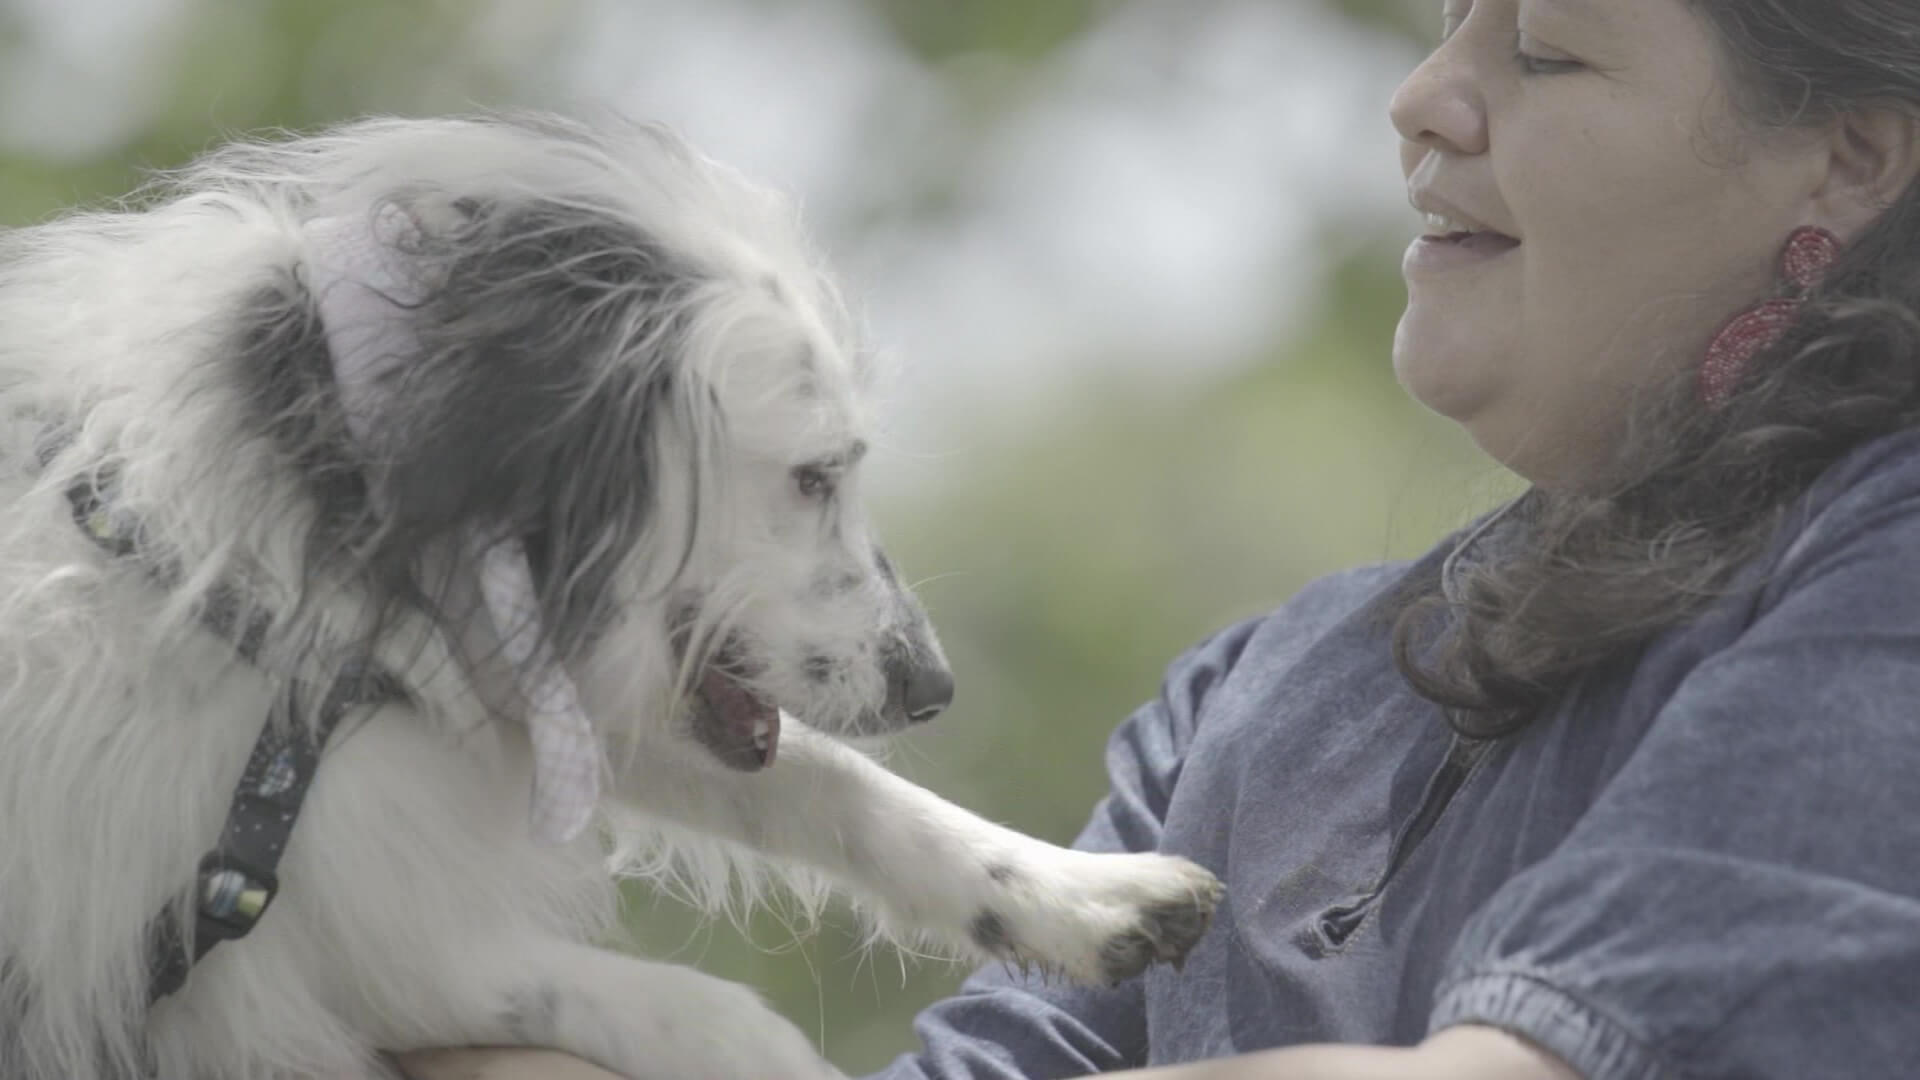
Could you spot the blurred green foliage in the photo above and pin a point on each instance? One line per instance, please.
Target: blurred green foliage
(1067, 563)
(1018, 31)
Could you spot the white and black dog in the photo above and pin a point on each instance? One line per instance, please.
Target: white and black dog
(346, 477)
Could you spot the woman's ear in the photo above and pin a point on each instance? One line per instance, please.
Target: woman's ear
(1874, 159)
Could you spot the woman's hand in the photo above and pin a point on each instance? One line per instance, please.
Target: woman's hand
(499, 1065)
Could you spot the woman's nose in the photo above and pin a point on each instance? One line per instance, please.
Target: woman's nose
(1439, 106)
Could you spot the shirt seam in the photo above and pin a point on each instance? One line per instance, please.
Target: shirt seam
(1378, 895)
(1596, 1043)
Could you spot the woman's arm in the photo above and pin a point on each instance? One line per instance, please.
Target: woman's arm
(1460, 1053)
(499, 1065)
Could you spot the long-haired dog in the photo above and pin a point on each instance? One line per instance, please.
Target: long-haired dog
(492, 485)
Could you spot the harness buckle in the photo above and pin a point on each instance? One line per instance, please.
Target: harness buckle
(233, 894)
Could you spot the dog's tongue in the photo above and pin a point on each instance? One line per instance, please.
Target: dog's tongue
(740, 727)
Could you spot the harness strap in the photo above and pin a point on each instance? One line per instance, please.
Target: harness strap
(237, 879)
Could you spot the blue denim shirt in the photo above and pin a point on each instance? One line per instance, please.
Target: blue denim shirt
(1704, 863)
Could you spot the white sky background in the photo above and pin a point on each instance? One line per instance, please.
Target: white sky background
(1155, 199)
(89, 79)
(1148, 210)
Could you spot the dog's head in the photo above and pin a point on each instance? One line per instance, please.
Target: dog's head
(624, 357)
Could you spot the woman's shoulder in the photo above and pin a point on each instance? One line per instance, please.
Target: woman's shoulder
(1878, 484)
(1265, 645)
(1864, 507)
(1329, 599)
(1235, 676)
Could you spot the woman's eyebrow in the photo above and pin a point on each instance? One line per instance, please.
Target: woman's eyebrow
(1580, 9)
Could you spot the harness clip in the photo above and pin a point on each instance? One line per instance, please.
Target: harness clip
(233, 895)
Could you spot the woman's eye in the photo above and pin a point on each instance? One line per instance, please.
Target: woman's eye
(1536, 65)
(1541, 65)
(813, 481)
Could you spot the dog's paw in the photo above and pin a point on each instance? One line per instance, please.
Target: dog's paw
(1102, 919)
(1165, 933)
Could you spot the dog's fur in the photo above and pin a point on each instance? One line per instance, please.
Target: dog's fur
(630, 361)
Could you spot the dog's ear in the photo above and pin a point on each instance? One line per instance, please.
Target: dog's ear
(540, 358)
(549, 342)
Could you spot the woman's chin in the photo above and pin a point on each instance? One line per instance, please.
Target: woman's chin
(1453, 385)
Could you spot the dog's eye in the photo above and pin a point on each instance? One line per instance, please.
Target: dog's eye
(814, 482)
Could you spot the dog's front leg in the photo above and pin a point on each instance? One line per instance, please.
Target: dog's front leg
(641, 1019)
(932, 870)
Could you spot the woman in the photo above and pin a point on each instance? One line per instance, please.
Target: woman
(1618, 783)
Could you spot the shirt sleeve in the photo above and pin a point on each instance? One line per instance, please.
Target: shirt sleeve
(1743, 900)
(1001, 1026)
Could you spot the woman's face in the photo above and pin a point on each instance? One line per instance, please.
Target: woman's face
(1636, 220)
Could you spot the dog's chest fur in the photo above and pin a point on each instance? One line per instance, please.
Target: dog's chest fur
(413, 840)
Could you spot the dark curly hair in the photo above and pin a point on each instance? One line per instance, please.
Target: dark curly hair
(1699, 493)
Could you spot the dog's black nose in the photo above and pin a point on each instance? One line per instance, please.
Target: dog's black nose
(929, 690)
(919, 689)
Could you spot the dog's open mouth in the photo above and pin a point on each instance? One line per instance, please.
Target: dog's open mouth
(739, 726)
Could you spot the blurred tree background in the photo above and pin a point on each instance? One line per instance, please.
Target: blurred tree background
(1137, 263)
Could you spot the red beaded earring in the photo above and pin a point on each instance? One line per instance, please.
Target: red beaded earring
(1809, 254)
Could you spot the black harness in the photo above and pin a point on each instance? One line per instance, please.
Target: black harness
(237, 879)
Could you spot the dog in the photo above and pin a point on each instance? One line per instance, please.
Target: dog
(412, 527)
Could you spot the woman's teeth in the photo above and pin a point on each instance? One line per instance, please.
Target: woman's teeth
(1444, 227)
